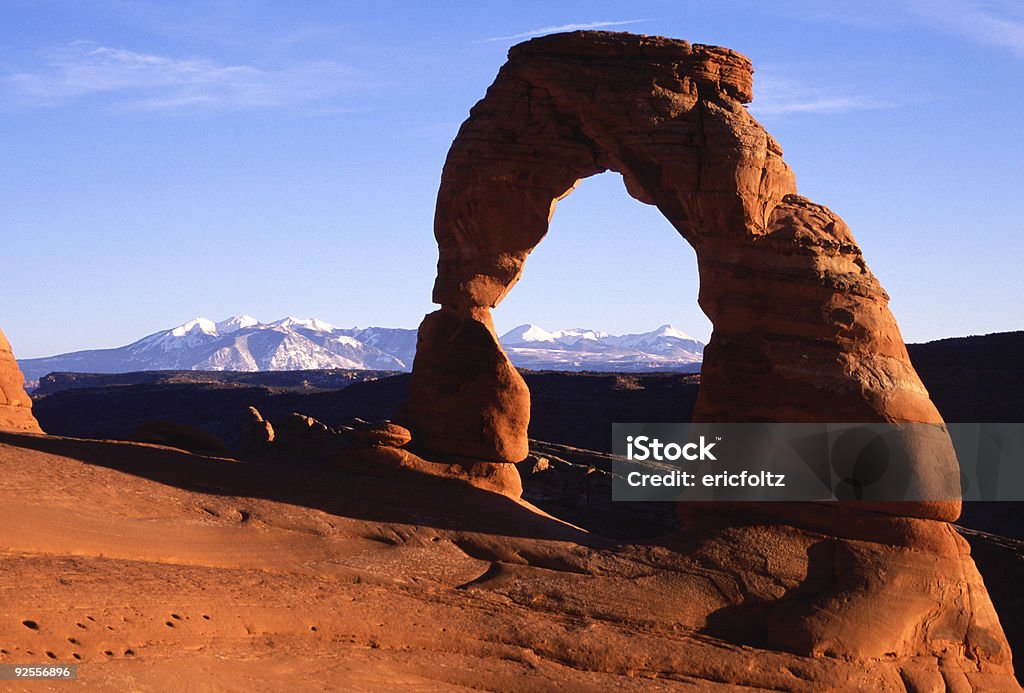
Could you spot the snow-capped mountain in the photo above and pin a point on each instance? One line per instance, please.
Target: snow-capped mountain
(242, 343)
(666, 348)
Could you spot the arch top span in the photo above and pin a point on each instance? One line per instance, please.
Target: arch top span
(802, 330)
(720, 68)
(664, 113)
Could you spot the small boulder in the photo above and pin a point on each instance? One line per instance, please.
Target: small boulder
(384, 434)
(533, 464)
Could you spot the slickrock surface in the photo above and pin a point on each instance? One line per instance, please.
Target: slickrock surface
(208, 574)
(15, 404)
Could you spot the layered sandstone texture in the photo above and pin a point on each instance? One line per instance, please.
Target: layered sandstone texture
(15, 404)
(802, 329)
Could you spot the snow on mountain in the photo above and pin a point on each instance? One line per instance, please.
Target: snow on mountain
(663, 332)
(237, 323)
(575, 335)
(309, 324)
(396, 341)
(668, 348)
(531, 334)
(526, 334)
(242, 343)
(356, 351)
(195, 327)
(664, 340)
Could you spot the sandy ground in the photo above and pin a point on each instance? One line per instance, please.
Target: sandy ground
(159, 570)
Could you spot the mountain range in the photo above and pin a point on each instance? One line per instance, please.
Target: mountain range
(665, 348)
(242, 343)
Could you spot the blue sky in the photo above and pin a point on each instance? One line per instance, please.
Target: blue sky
(164, 160)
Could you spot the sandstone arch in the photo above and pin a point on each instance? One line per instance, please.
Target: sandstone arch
(15, 405)
(802, 331)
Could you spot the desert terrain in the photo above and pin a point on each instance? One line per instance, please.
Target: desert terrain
(155, 569)
(470, 542)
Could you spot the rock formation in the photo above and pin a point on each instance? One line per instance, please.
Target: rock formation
(384, 434)
(15, 404)
(802, 330)
(257, 433)
(802, 333)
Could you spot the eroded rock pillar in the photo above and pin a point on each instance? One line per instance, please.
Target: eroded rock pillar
(467, 400)
(15, 404)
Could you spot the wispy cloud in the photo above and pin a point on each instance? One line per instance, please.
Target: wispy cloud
(995, 23)
(565, 27)
(776, 96)
(146, 81)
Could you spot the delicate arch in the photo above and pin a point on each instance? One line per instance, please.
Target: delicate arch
(802, 331)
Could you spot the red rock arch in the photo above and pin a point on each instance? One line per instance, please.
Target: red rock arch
(802, 331)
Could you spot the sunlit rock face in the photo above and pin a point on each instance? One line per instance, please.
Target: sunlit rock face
(802, 331)
(15, 404)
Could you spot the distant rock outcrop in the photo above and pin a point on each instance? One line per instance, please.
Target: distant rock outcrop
(257, 433)
(301, 439)
(15, 404)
